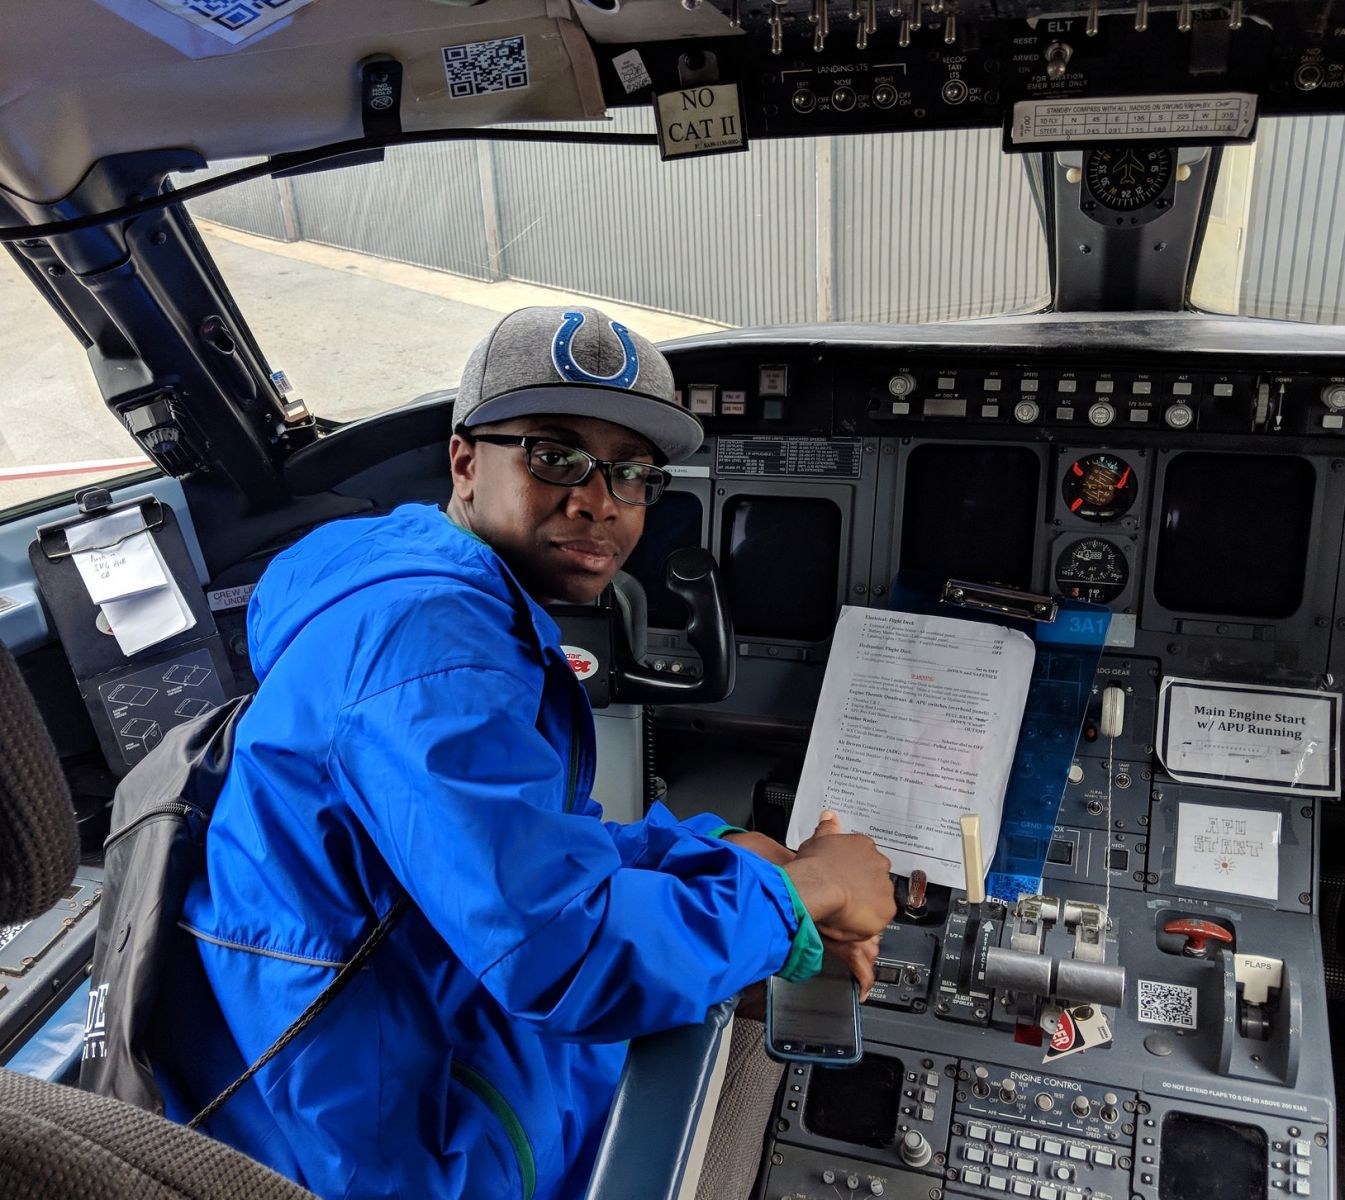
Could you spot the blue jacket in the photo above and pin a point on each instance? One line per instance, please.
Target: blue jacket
(417, 730)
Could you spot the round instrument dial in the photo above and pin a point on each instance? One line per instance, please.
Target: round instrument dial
(1099, 487)
(1091, 569)
(1124, 178)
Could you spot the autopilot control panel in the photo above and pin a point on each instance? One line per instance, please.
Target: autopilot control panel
(1142, 1025)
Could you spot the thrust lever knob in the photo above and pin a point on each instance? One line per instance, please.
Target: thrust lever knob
(1197, 933)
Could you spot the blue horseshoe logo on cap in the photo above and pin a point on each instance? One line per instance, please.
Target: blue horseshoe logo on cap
(570, 370)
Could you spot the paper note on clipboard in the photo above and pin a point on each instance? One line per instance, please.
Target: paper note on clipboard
(126, 576)
(916, 726)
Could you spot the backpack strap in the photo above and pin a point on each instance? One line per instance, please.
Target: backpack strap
(310, 1014)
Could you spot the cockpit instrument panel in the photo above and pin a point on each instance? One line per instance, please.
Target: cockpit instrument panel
(1100, 487)
(1092, 569)
(1125, 178)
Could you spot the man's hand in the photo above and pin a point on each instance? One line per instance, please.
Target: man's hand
(841, 937)
(844, 883)
(859, 957)
(760, 844)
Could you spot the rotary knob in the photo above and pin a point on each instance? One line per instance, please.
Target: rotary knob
(1026, 411)
(1101, 414)
(914, 1149)
(1333, 396)
(901, 385)
(1178, 416)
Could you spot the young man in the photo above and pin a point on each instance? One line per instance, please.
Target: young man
(418, 732)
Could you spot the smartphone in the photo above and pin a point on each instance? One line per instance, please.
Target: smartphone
(816, 1021)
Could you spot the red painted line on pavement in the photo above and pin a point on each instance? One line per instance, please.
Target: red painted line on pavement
(107, 466)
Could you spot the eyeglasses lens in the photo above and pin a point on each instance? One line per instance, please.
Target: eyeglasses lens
(633, 482)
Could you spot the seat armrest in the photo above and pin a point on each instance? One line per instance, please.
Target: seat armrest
(647, 1143)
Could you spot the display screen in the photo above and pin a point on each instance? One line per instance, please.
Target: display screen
(816, 1018)
(781, 560)
(1233, 539)
(674, 523)
(971, 513)
(859, 1104)
(1203, 1157)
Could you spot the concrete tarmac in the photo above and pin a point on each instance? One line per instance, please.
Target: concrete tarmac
(355, 334)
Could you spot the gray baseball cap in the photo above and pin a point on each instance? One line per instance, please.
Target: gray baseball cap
(575, 361)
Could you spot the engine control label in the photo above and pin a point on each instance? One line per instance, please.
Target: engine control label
(828, 458)
(1144, 118)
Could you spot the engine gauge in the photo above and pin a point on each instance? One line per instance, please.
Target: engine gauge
(1099, 487)
(1091, 569)
(1124, 178)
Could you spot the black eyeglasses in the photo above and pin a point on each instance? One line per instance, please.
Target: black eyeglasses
(568, 466)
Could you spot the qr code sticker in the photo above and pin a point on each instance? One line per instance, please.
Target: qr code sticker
(9, 932)
(630, 70)
(480, 67)
(234, 20)
(1167, 1004)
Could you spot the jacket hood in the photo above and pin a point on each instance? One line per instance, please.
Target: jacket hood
(337, 560)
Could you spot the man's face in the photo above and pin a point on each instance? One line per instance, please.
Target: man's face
(563, 543)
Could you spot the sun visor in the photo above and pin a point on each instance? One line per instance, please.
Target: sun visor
(626, 21)
(204, 30)
(122, 86)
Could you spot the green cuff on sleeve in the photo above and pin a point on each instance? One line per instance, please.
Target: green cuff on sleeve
(805, 955)
(723, 829)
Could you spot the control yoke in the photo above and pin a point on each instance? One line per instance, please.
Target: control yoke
(692, 575)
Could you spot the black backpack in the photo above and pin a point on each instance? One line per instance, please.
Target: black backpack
(157, 846)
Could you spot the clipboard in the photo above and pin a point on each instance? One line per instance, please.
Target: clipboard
(116, 688)
(1069, 636)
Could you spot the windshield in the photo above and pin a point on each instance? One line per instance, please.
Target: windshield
(56, 434)
(369, 285)
(1275, 239)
